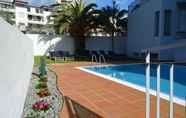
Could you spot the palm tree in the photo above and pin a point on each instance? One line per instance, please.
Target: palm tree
(76, 19)
(113, 20)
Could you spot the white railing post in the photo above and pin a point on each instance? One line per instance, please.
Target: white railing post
(158, 92)
(148, 85)
(171, 112)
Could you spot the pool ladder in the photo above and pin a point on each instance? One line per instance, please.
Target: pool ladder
(101, 59)
(94, 58)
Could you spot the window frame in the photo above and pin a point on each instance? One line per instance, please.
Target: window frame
(157, 23)
(167, 29)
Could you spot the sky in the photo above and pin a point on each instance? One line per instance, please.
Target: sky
(122, 3)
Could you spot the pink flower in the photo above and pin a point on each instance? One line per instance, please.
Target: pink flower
(41, 105)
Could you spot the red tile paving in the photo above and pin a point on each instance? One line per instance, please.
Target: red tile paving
(104, 97)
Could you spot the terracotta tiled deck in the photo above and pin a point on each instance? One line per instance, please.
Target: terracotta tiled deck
(104, 97)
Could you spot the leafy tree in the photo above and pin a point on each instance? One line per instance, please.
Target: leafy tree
(77, 19)
(113, 20)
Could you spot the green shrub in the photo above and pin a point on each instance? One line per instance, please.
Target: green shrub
(41, 85)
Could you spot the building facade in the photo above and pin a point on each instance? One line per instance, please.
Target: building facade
(154, 23)
(26, 17)
(63, 1)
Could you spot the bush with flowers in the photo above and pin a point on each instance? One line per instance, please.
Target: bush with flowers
(43, 92)
(41, 106)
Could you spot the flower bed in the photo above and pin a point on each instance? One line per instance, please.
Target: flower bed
(43, 99)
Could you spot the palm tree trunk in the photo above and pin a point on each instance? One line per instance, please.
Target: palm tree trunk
(112, 41)
(79, 45)
(113, 22)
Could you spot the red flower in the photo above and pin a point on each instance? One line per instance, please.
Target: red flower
(41, 105)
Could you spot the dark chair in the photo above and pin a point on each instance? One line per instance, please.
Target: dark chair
(103, 53)
(61, 53)
(51, 54)
(87, 53)
(111, 53)
(68, 56)
(95, 53)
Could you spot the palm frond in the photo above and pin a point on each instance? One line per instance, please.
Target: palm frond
(122, 13)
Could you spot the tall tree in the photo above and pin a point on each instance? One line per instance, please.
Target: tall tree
(113, 20)
(76, 19)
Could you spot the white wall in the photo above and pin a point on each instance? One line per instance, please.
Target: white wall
(41, 47)
(141, 27)
(105, 43)
(16, 62)
(66, 43)
(21, 15)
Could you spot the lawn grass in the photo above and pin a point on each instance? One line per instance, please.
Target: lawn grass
(48, 61)
(123, 60)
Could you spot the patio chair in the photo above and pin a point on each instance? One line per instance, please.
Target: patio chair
(96, 53)
(68, 56)
(105, 53)
(58, 55)
(51, 55)
(87, 53)
(109, 54)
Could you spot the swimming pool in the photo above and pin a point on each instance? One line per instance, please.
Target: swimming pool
(133, 75)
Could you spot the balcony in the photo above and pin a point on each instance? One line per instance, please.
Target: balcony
(36, 22)
(35, 14)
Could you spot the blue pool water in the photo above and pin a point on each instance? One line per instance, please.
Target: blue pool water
(135, 74)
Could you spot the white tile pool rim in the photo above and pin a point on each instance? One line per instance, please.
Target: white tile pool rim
(125, 83)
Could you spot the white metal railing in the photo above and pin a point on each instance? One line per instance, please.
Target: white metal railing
(148, 85)
(158, 91)
(102, 58)
(171, 109)
(171, 76)
(171, 106)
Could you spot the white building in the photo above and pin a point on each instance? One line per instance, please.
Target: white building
(154, 23)
(63, 1)
(26, 16)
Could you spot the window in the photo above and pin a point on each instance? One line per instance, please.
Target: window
(28, 9)
(181, 20)
(156, 23)
(37, 10)
(29, 17)
(167, 22)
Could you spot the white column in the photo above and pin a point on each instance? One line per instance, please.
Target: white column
(148, 85)
(158, 92)
(171, 112)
